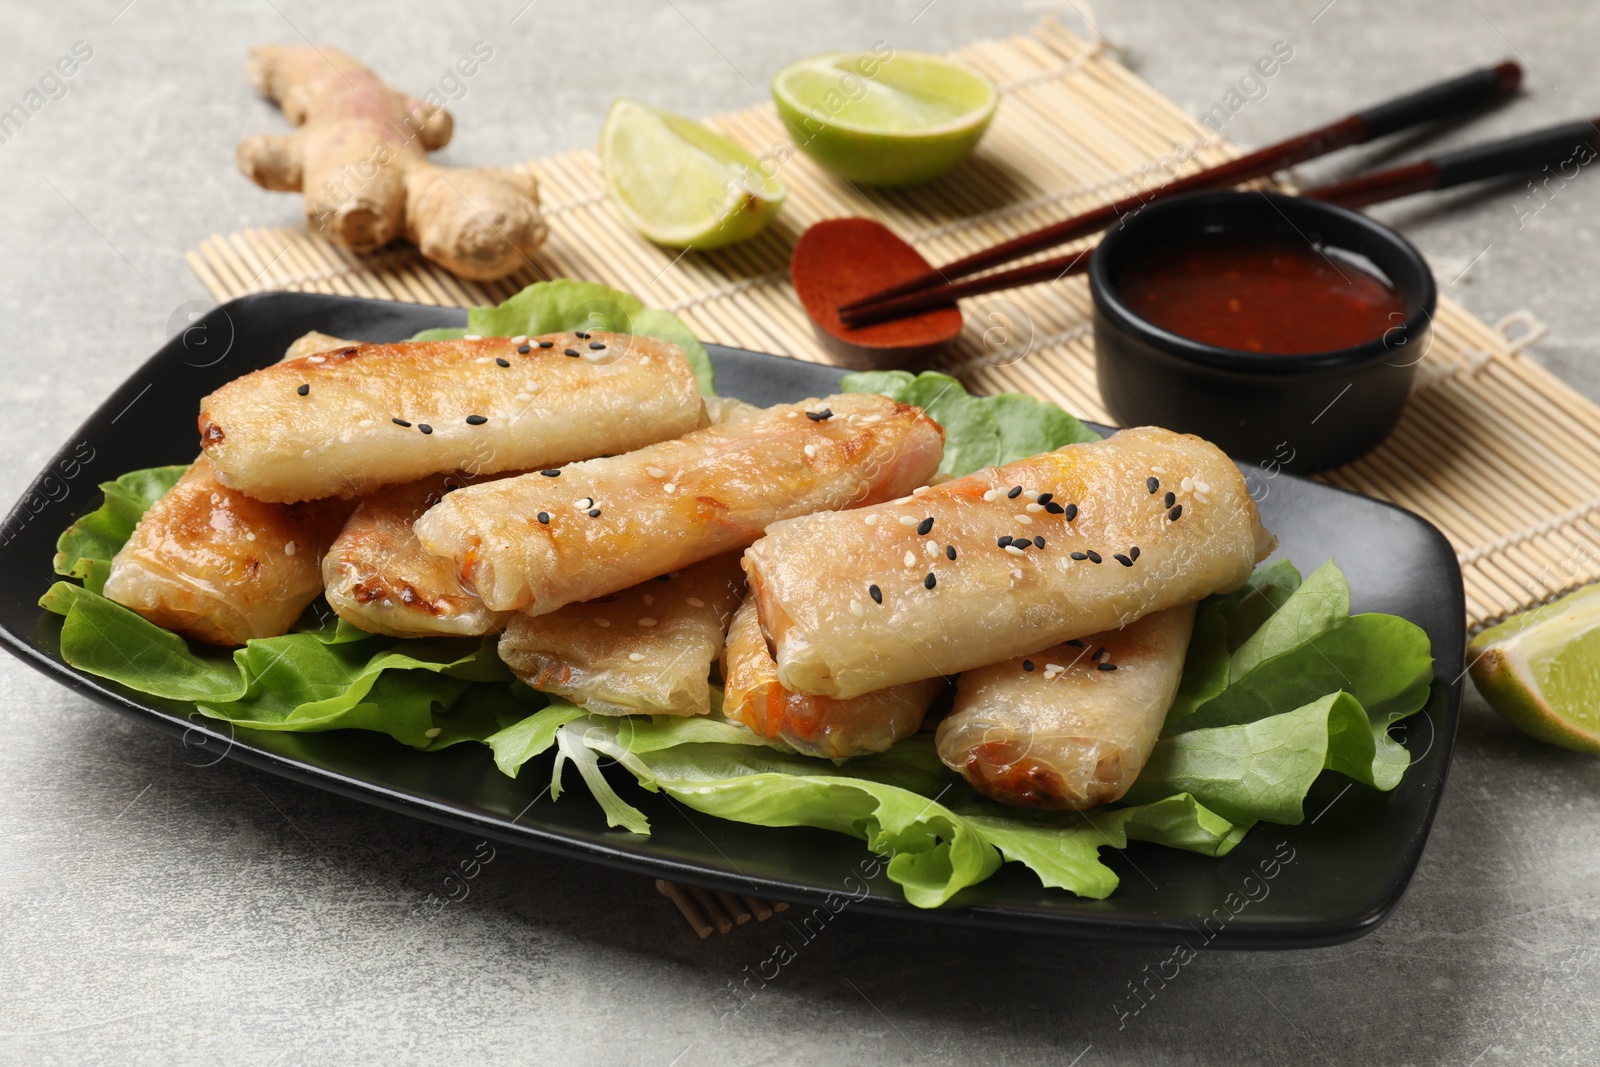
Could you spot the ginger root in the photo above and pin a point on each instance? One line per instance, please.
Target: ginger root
(360, 157)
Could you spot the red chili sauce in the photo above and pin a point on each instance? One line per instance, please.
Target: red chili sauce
(1259, 291)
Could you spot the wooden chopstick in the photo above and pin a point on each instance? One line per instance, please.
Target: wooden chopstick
(1471, 90)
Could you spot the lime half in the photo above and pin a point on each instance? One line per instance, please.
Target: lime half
(1541, 670)
(679, 183)
(885, 118)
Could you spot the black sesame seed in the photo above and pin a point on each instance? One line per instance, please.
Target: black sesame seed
(594, 513)
(1054, 508)
(1170, 499)
(950, 551)
(1124, 560)
(1038, 542)
(1176, 513)
(551, 473)
(504, 362)
(1005, 539)
(875, 593)
(1045, 498)
(304, 389)
(1079, 555)
(1072, 512)
(663, 577)
(1133, 553)
(1098, 652)
(925, 525)
(424, 427)
(597, 346)
(1152, 483)
(547, 344)
(544, 518)
(1016, 491)
(1027, 664)
(1094, 557)
(523, 350)
(1107, 667)
(401, 422)
(580, 333)
(570, 351)
(820, 416)
(477, 420)
(930, 581)
(1075, 643)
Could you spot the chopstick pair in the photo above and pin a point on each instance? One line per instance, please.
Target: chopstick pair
(938, 287)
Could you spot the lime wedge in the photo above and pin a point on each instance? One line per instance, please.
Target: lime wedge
(679, 183)
(1541, 670)
(885, 118)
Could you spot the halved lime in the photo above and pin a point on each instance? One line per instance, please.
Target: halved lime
(679, 183)
(885, 117)
(1541, 670)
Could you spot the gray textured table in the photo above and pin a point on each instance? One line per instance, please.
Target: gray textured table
(157, 911)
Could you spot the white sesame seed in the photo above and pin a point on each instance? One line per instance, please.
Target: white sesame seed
(1202, 487)
(585, 504)
(811, 451)
(481, 359)
(792, 414)
(696, 602)
(919, 490)
(990, 495)
(648, 599)
(1158, 470)
(523, 398)
(903, 500)
(1202, 498)
(1032, 494)
(930, 549)
(635, 657)
(858, 609)
(602, 622)
(288, 549)
(520, 338)
(669, 488)
(871, 520)
(1026, 520)
(1187, 483)
(364, 423)
(471, 337)
(432, 732)
(655, 472)
(1034, 508)
(249, 536)
(911, 558)
(908, 520)
(316, 359)
(1015, 551)
(647, 622)
(1058, 668)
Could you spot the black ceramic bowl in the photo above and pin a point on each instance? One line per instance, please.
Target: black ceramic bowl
(1302, 412)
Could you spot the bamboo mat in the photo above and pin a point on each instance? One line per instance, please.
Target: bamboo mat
(1497, 452)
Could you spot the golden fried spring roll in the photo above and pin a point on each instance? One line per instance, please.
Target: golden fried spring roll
(817, 726)
(213, 564)
(376, 575)
(644, 651)
(1006, 560)
(1069, 727)
(536, 542)
(343, 423)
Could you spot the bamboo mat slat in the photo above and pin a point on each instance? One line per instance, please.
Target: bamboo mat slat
(1496, 451)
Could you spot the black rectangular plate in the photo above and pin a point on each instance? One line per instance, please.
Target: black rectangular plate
(1352, 858)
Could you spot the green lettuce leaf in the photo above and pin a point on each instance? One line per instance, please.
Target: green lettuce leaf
(980, 431)
(85, 548)
(564, 304)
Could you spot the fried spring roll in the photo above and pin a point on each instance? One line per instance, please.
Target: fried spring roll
(377, 577)
(1006, 560)
(645, 651)
(216, 565)
(343, 423)
(535, 543)
(1069, 727)
(817, 726)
